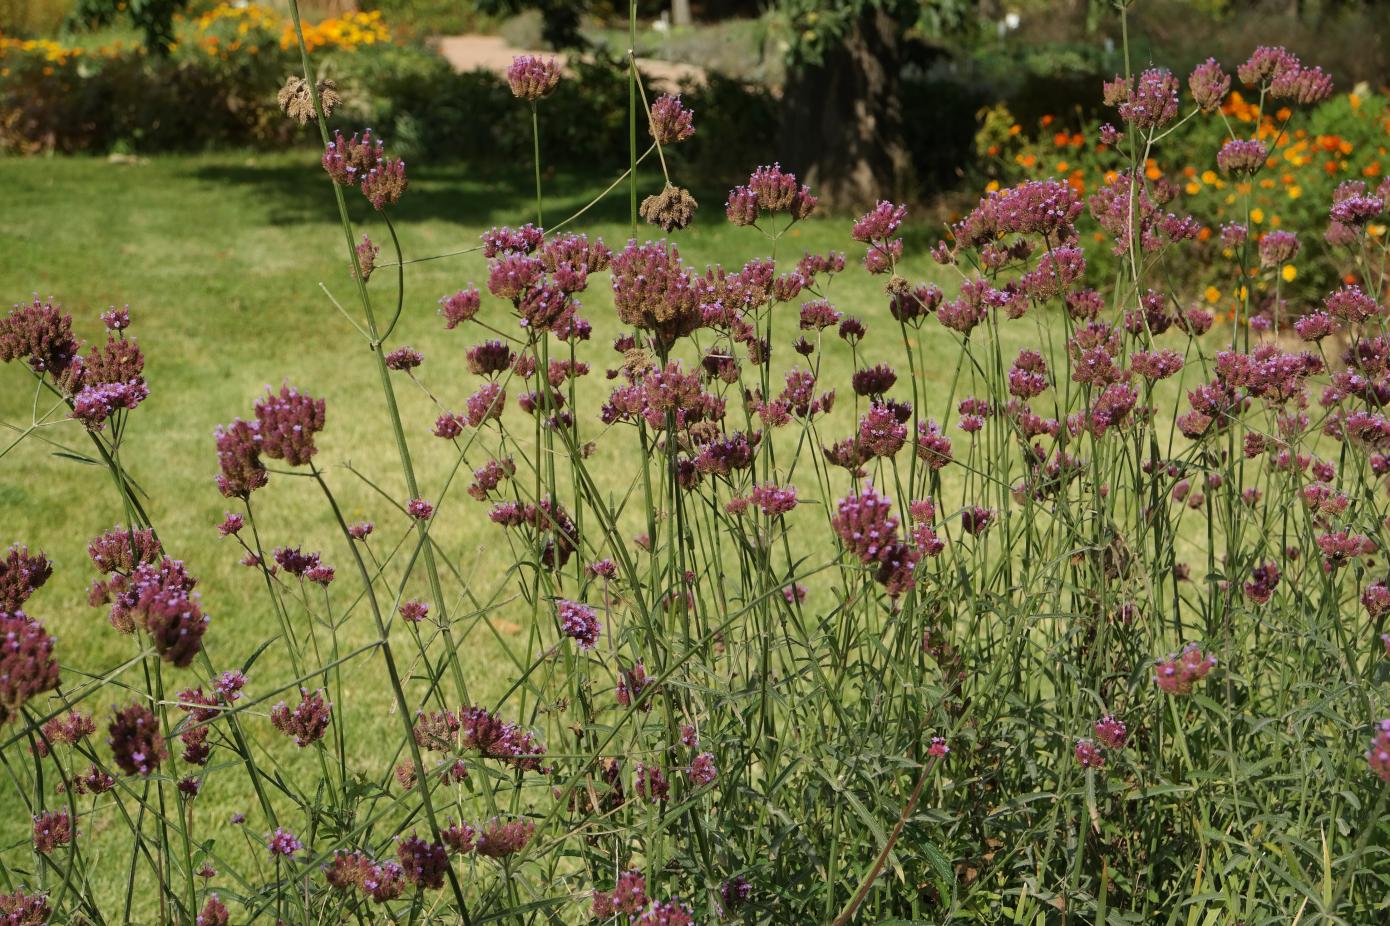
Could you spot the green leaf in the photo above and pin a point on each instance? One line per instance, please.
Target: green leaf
(76, 457)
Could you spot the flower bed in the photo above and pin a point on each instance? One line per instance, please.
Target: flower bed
(1083, 615)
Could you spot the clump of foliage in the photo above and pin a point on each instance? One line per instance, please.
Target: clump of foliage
(1099, 630)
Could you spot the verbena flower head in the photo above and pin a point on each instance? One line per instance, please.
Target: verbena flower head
(135, 740)
(106, 379)
(423, 862)
(1048, 208)
(239, 459)
(670, 121)
(214, 913)
(404, 359)
(52, 830)
(628, 896)
(1278, 247)
(40, 334)
(1264, 579)
(1111, 732)
(498, 838)
(414, 610)
(1088, 755)
(1378, 756)
(1351, 305)
(1242, 156)
(67, 729)
(702, 770)
(770, 190)
(579, 622)
(366, 257)
(1265, 64)
(286, 424)
(347, 160)
(160, 598)
(1303, 85)
(532, 77)
(880, 223)
(670, 210)
(495, 738)
(650, 784)
(1152, 102)
(1209, 84)
(283, 844)
(881, 433)
(1352, 206)
(459, 307)
(735, 892)
(21, 574)
(652, 290)
(1179, 672)
(868, 528)
(384, 183)
(666, 913)
(306, 722)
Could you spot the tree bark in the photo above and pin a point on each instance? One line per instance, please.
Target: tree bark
(680, 12)
(843, 129)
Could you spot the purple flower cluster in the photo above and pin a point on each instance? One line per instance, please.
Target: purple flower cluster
(362, 162)
(670, 121)
(21, 574)
(868, 528)
(283, 844)
(1242, 156)
(628, 896)
(1047, 208)
(1209, 84)
(770, 190)
(1378, 756)
(135, 741)
(423, 862)
(498, 739)
(158, 597)
(532, 77)
(40, 334)
(1179, 672)
(1150, 102)
(579, 622)
(499, 838)
(307, 721)
(52, 830)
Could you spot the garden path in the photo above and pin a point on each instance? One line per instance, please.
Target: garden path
(492, 53)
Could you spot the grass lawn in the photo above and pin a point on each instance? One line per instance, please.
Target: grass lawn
(220, 259)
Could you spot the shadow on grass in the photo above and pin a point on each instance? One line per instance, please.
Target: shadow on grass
(463, 194)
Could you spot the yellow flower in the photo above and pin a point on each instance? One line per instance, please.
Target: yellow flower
(1257, 215)
(1295, 191)
(1289, 273)
(1192, 188)
(1213, 294)
(1209, 177)
(992, 186)
(1375, 231)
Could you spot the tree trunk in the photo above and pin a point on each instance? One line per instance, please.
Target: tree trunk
(843, 131)
(680, 12)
